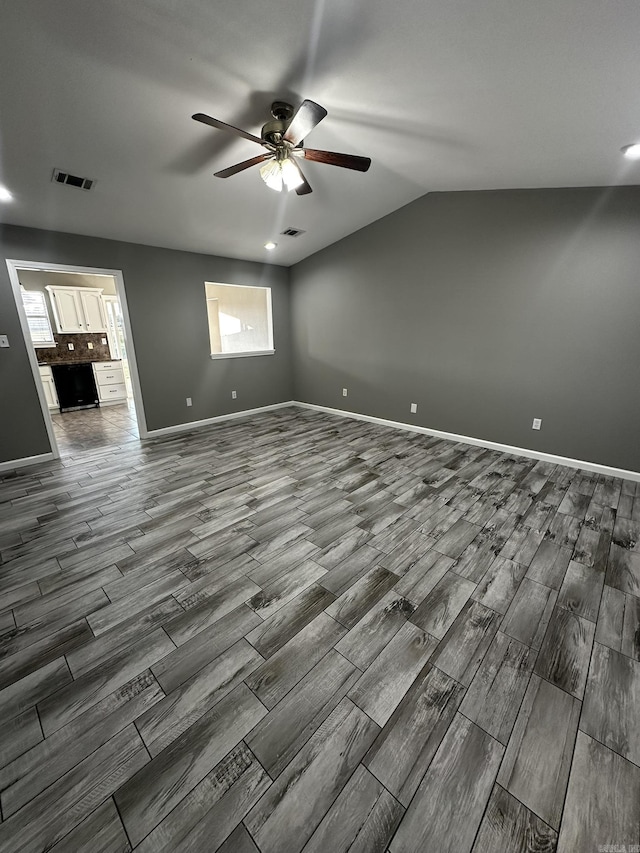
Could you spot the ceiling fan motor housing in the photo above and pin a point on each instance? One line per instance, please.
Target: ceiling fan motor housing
(274, 130)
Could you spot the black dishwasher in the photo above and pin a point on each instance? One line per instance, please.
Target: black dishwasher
(75, 385)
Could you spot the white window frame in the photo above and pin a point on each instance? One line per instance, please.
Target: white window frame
(246, 353)
(50, 342)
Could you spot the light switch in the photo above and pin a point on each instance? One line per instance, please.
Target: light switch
(4, 341)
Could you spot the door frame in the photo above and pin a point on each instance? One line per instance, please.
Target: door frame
(13, 266)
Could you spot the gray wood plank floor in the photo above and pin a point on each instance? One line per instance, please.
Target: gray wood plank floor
(297, 633)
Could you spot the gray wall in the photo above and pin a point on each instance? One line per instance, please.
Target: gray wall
(165, 294)
(487, 309)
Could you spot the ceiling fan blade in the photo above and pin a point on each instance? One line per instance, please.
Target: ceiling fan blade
(308, 115)
(346, 161)
(240, 167)
(304, 188)
(214, 122)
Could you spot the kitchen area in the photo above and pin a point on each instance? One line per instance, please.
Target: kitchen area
(76, 327)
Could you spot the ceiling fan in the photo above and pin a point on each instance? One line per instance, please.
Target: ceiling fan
(283, 138)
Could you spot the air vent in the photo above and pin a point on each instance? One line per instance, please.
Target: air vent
(293, 232)
(60, 177)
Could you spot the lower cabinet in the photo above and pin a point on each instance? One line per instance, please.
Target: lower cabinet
(49, 387)
(109, 378)
(110, 383)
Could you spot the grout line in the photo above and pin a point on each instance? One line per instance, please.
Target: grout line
(142, 740)
(124, 828)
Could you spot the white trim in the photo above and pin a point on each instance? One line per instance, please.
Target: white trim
(189, 426)
(13, 266)
(594, 467)
(10, 464)
(131, 354)
(217, 355)
(270, 350)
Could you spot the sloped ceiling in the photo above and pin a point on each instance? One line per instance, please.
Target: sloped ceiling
(452, 95)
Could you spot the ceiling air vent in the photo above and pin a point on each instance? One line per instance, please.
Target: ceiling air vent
(293, 232)
(60, 177)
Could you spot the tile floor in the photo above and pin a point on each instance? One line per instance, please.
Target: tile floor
(87, 429)
(298, 632)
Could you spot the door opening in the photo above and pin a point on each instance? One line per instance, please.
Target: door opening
(76, 328)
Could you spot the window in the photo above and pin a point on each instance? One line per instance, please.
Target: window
(240, 322)
(35, 307)
(115, 327)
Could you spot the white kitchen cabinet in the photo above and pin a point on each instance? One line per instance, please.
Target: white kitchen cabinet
(110, 382)
(49, 387)
(67, 309)
(95, 316)
(78, 309)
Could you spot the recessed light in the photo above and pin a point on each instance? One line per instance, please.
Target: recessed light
(270, 245)
(5, 195)
(632, 151)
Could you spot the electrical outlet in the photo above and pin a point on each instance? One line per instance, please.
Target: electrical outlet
(189, 401)
(234, 395)
(344, 392)
(537, 423)
(70, 346)
(103, 341)
(89, 345)
(414, 408)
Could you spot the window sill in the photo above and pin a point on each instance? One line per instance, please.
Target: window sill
(217, 355)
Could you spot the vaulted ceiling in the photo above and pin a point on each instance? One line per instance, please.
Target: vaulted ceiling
(456, 95)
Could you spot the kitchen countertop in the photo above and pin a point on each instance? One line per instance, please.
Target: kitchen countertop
(79, 361)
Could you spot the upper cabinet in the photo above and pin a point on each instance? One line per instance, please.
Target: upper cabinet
(95, 316)
(78, 309)
(67, 309)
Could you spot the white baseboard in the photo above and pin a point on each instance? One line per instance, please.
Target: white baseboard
(594, 467)
(10, 464)
(192, 425)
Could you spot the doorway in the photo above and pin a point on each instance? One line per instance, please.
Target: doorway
(76, 328)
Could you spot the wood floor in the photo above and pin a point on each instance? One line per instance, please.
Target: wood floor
(299, 632)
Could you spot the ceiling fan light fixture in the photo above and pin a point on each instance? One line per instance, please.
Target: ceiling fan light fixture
(291, 174)
(271, 174)
(632, 152)
(277, 173)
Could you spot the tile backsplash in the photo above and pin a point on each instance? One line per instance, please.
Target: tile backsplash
(61, 354)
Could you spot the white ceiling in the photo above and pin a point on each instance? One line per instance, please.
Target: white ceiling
(36, 278)
(451, 95)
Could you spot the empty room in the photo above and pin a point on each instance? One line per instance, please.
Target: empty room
(320, 433)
